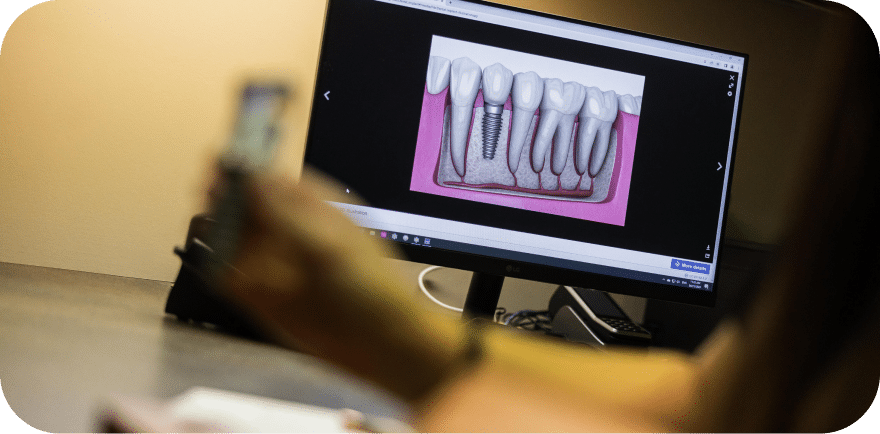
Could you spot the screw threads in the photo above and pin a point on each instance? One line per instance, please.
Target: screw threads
(491, 129)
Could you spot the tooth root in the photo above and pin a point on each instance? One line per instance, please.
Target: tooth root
(549, 181)
(569, 178)
(528, 88)
(525, 176)
(586, 138)
(518, 131)
(562, 143)
(464, 85)
(544, 138)
(601, 149)
(460, 126)
(438, 74)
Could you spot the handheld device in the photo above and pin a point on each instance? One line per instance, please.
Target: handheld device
(213, 238)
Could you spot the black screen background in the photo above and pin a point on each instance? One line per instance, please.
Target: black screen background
(374, 62)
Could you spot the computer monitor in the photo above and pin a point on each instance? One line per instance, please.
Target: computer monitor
(515, 143)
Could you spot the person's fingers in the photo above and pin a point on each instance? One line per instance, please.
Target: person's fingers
(326, 188)
(291, 238)
(292, 213)
(301, 260)
(300, 212)
(214, 183)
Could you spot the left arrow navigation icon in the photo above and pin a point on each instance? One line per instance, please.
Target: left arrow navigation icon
(327, 95)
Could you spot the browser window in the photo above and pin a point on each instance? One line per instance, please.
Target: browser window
(507, 134)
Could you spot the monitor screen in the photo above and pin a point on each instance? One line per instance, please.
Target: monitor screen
(515, 143)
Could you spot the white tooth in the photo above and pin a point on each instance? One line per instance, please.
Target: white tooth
(628, 104)
(639, 105)
(574, 97)
(464, 85)
(497, 81)
(528, 88)
(496, 88)
(596, 117)
(438, 74)
(559, 99)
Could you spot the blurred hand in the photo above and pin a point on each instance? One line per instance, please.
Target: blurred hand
(315, 282)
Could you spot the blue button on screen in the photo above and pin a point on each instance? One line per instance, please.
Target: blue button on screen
(696, 267)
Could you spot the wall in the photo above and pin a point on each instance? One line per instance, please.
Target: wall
(110, 113)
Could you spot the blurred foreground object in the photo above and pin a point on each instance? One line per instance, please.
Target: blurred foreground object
(213, 238)
(203, 409)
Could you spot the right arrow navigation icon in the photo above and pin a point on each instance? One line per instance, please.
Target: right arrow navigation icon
(719, 167)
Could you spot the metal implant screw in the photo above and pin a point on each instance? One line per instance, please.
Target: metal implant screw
(491, 129)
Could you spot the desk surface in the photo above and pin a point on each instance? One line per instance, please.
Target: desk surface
(69, 339)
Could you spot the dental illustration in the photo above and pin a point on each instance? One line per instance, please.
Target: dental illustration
(522, 134)
(527, 132)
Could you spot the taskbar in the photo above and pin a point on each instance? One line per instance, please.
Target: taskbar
(455, 246)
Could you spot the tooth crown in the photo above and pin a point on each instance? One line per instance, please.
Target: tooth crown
(565, 98)
(574, 98)
(553, 94)
(600, 105)
(465, 81)
(628, 104)
(528, 89)
(497, 81)
(438, 74)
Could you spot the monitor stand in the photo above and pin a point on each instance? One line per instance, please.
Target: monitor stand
(482, 296)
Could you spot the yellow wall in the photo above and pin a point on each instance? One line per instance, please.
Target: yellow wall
(110, 111)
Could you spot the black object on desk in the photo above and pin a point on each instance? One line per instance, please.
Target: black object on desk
(591, 316)
(192, 297)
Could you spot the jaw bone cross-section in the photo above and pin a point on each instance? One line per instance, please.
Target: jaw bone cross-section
(520, 134)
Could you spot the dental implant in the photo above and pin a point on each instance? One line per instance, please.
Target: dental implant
(497, 81)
